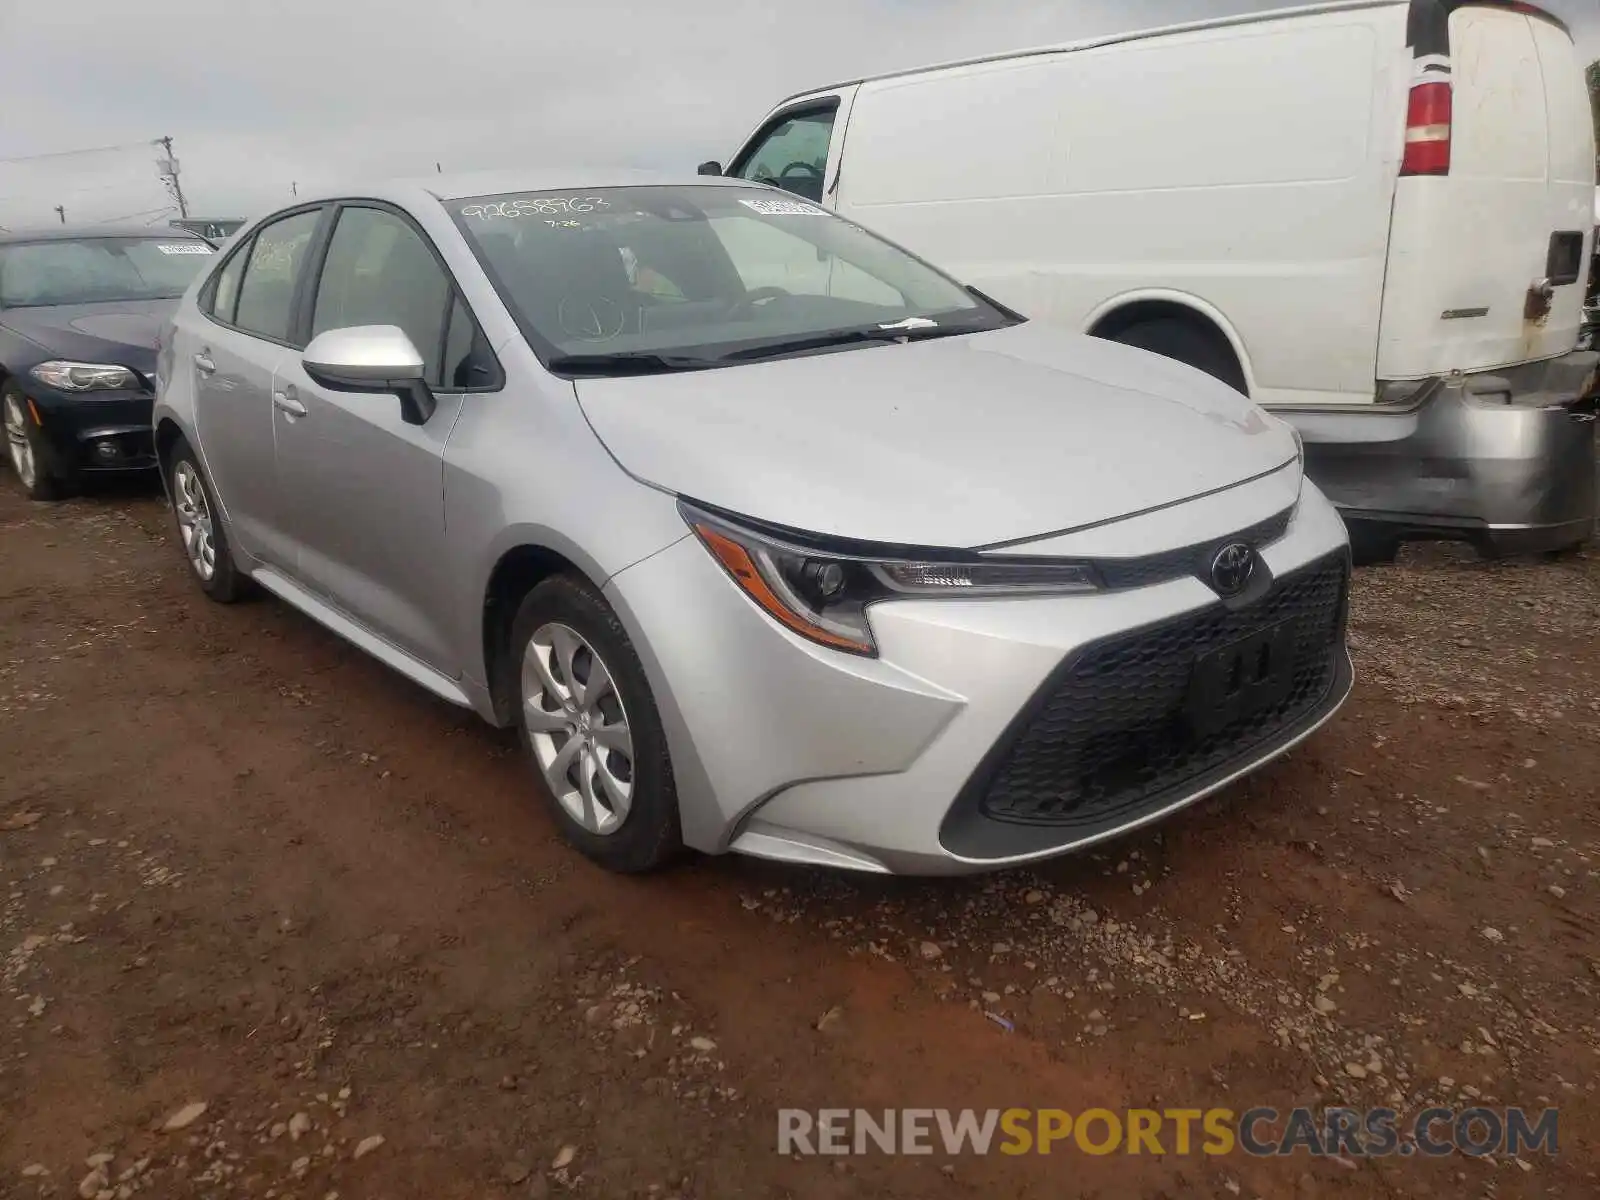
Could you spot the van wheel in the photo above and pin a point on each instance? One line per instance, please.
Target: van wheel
(1371, 544)
(590, 728)
(1187, 343)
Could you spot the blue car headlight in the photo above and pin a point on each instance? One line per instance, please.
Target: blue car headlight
(84, 377)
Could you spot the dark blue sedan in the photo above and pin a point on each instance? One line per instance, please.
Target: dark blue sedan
(80, 310)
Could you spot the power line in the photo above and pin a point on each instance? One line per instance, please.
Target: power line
(70, 153)
(145, 212)
(70, 191)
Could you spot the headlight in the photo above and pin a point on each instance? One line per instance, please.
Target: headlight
(823, 596)
(85, 377)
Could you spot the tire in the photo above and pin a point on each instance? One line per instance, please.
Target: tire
(564, 626)
(27, 454)
(201, 536)
(1371, 544)
(1187, 343)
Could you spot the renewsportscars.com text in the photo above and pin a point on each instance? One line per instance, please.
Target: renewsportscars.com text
(1360, 1133)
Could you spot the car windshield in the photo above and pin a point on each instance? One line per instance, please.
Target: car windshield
(643, 279)
(91, 269)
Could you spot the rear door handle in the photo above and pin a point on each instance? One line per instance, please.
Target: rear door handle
(292, 407)
(203, 364)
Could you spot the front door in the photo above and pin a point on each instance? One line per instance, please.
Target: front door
(363, 488)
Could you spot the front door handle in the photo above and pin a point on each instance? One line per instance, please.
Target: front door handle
(292, 407)
(203, 364)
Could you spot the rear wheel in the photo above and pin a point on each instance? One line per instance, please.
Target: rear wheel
(589, 725)
(1188, 343)
(25, 447)
(200, 533)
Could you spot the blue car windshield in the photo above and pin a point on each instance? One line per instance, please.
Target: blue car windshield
(92, 269)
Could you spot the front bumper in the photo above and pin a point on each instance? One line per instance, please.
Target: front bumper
(95, 431)
(786, 750)
(1504, 460)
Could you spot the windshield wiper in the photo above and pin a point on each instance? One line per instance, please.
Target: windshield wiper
(632, 362)
(912, 329)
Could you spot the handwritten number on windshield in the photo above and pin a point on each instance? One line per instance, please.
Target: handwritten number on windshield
(539, 206)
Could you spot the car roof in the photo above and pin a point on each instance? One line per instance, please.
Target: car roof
(66, 233)
(460, 185)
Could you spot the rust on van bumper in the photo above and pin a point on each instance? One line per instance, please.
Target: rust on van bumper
(1504, 460)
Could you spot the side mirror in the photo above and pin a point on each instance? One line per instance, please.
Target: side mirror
(710, 167)
(371, 358)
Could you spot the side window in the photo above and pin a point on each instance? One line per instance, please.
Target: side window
(266, 296)
(468, 360)
(793, 154)
(379, 271)
(225, 288)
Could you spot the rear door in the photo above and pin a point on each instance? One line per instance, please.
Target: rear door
(1486, 256)
(245, 331)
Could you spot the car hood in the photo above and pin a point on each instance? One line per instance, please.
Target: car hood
(962, 441)
(119, 331)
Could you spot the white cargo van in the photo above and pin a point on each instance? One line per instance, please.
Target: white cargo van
(1590, 338)
(1373, 216)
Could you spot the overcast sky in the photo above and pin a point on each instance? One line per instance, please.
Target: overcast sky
(257, 95)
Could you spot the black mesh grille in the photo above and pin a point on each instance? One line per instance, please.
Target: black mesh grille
(1189, 560)
(1113, 732)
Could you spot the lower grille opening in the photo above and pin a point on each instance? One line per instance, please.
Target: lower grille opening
(1120, 727)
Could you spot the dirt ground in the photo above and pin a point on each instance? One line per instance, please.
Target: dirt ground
(243, 866)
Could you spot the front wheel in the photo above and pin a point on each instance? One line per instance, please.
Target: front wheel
(590, 727)
(25, 448)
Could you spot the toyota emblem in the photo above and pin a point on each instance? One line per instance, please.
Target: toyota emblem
(1232, 568)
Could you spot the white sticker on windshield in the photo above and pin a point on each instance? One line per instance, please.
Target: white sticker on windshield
(184, 248)
(784, 208)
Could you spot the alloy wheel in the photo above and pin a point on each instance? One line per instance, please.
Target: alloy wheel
(19, 444)
(578, 728)
(194, 520)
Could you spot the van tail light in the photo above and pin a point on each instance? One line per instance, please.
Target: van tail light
(1428, 118)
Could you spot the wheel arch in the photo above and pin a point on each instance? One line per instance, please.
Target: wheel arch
(1123, 311)
(519, 568)
(168, 434)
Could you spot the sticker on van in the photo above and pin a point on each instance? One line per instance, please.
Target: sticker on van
(784, 208)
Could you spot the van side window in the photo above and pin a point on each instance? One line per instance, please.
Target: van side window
(792, 153)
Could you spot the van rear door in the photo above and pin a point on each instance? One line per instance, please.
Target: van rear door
(1488, 246)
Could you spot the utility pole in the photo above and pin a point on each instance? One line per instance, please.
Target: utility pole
(61, 211)
(294, 188)
(169, 172)
(438, 169)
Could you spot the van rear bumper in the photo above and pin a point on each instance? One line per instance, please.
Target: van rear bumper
(1504, 460)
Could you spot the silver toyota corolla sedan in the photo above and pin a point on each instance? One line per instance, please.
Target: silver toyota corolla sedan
(764, 534)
